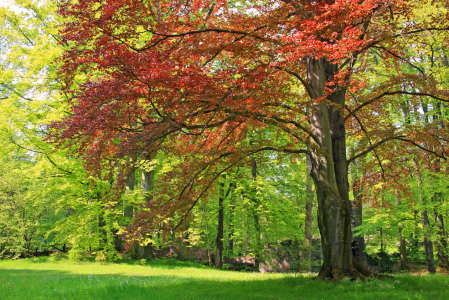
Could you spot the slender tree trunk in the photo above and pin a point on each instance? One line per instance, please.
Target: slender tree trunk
(183, 252)
(256, 221)
(443, 261)
(428, 242)
(129, 208)
(232, 186)
(359, 240)
(127, 211)
(147, 184)
(102, 227)
(426, 226)
(307, 247)
(357, 213)
(402, 247)
(220, 230)
(204, 219)
(330, 174)
(404, 265)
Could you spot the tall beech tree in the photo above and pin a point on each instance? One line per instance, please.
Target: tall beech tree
(192, 77)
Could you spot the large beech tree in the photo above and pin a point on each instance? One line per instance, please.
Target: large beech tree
(195, 78)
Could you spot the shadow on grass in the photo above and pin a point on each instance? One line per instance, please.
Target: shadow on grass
(167, 263)
(163, 263)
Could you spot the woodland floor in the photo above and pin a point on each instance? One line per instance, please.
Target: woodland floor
(419, 269)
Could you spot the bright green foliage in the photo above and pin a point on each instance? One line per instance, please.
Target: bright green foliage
(22, 207)
(57, 202)
(276, 196)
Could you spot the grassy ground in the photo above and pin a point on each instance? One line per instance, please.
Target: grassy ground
(40, 278)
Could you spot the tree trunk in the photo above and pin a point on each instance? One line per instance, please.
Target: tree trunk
(443, 261)
(426, 225)
(127, 212)
(232, 186)
(103, 242)
(256, 221)
(428, 242)
(147, 184)
(330, 174)
(402, 247)
(129, 209)
(183, 251)
(357, 213)
(307, 247)
(220, 230)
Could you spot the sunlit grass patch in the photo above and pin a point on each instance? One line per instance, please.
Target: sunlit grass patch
(169, 279)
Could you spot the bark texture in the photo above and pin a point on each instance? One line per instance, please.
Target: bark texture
(330, 174)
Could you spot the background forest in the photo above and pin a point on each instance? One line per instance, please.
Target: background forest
(257, 215)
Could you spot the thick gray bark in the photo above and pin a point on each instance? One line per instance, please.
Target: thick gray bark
(330, 174)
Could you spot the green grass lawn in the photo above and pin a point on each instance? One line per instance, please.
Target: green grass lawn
(168, 279)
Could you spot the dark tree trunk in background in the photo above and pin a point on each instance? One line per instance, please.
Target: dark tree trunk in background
(357, 213)
(307, 247)
(308, 236)
(129, 209)
(426, 225)
(183, 251)
(147, 184)
(402, 246)
(404, 265)
(256, 220)
(232, 186)
(102, 227)
(443, 261)
(428, 242)
(220, 230)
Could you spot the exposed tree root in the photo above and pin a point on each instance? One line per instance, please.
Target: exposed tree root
(367, 272)
(325, 272)
(356, 271)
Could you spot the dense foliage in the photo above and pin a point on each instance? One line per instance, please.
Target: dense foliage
(190, 123)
